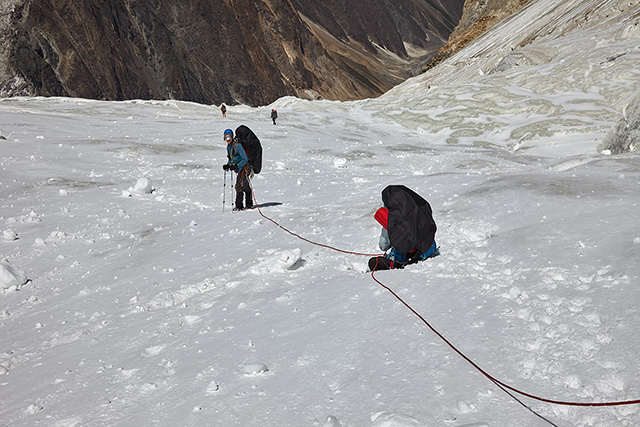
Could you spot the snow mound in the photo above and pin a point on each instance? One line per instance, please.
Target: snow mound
(279, 262)
(340, 162)
(394, 420)
(9, 235)
(213, 387)
(331, 421)
(142, 186)
(11, 277)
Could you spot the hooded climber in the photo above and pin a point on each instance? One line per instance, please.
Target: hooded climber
(408, 229)
(239, 163)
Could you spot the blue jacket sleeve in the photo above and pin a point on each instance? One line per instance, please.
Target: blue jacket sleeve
(241, 158)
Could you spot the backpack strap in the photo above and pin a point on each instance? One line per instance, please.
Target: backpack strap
(234, 151)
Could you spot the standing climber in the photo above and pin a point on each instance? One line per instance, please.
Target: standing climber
(274, 115)
(239, 163)
(223, 108)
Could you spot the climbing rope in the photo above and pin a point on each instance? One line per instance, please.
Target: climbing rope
(486, 374)
(303, 238)
(502, 385)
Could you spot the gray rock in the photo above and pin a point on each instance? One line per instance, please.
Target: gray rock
(625, 137)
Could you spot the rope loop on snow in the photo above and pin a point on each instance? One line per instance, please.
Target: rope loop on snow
(502, 385)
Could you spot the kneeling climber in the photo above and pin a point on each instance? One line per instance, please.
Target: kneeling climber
(408, 229)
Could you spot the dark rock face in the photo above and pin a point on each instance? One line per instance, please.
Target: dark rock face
(214, 51)
(421, 23)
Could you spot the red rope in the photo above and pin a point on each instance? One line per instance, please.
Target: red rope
(305, 239)
(489, 376)
(442, 337)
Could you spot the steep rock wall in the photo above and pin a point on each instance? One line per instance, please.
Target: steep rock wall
(214, 51)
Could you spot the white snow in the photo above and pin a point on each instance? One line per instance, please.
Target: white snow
(9, 235)
(142, 186)
(11, 277)
(161, 309)
(255, 369)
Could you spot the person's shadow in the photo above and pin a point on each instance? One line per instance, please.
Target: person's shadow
(268, 204)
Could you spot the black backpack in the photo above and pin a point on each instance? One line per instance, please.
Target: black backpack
(252, 147)
(410, 223)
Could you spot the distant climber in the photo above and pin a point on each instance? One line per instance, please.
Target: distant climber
(274, 115)
(408, 229)
(223, 108)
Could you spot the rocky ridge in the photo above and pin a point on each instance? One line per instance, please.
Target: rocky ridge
(206, 51)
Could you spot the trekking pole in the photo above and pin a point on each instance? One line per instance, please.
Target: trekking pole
(224, 190)
(233, 204)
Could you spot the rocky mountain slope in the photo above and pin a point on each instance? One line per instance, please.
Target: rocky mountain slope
(478, 16)
(209, 51)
